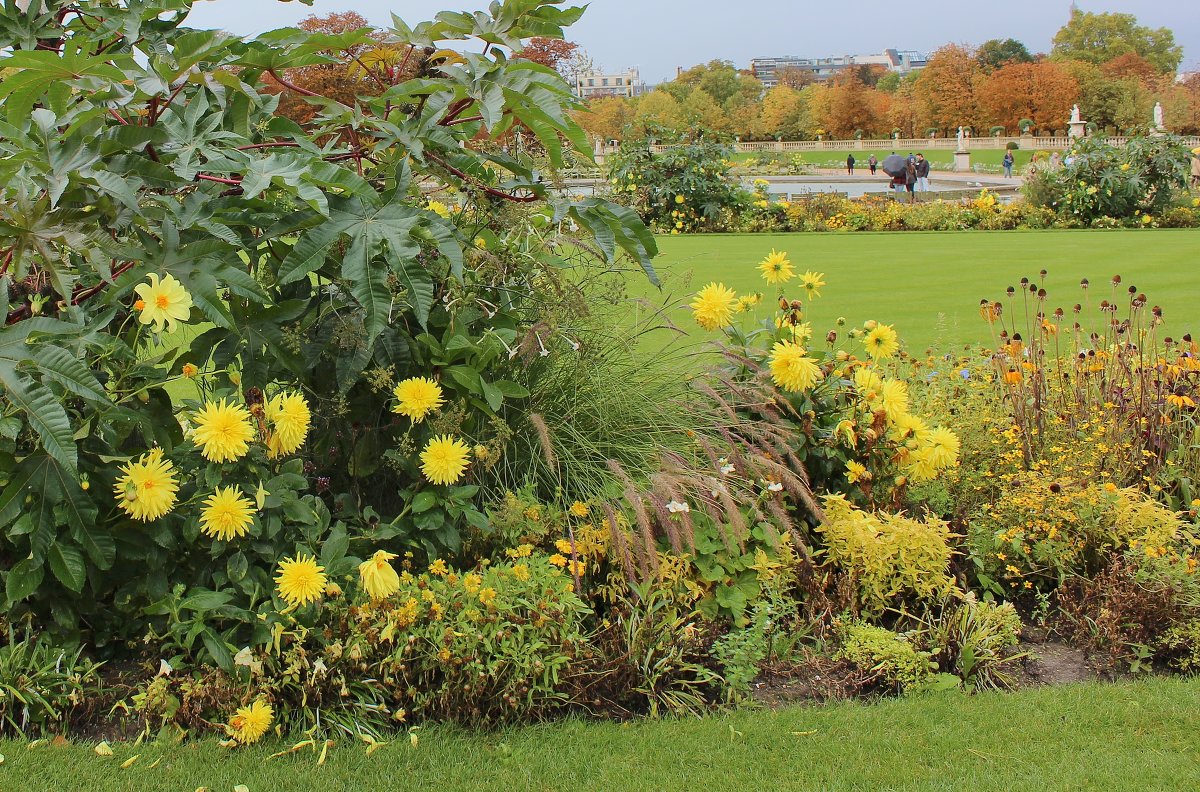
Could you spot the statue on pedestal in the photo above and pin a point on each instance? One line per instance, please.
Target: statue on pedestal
(960, 139)
(1075, 114)
(1158, 117)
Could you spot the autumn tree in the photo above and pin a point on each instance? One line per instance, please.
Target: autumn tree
(658, 108)
(904, 111)
(1098, 38)
(553, 53)
(701, 110)
(994, 53)
(362, 70)
(794, 77)
(784, 113)
(606, 117)
(850, 107)
(1133, 66)
(1042, 92)
(945, 89)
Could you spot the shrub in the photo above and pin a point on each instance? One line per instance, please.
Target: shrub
(890, 557)
(1181, 646)
(974, 640)
(891, 657)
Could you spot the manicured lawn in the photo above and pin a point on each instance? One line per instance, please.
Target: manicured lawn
(939, 159)
(1138, 735)
(929, 284)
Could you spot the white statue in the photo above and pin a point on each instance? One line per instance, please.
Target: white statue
(1158, 116)
(960, 138)
(1075, 114)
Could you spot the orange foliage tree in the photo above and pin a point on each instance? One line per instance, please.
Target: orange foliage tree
(552, 53)
(850, 108)
(946, 89)
(1042, 92)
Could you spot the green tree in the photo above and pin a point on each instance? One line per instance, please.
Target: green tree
(1097, 38)
(701, 110)
(784, 113)
(658, 108)
(994, 53)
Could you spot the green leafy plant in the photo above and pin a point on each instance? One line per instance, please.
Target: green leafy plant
(41, 684)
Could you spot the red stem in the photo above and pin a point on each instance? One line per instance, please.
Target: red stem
(458, 121)
(218, 179)
(118, 116)
(489, 190)
(291, 86)
(275, 144)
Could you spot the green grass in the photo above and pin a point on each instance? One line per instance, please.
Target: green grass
(1138, 735)
(939, 159)
(910, 278)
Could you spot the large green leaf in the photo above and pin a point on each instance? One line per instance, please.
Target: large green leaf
(44, 412)
(67, 564)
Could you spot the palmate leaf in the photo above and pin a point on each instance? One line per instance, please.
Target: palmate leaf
(38, 71)
(613, 226)
(44, 412)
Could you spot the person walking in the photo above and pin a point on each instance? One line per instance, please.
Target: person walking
(910, 180)
(850, 164)
(1008, 164)
(1196, 167)
(922, 168)
(872, 163)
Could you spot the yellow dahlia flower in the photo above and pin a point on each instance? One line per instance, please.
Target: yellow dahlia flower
(444, 459)
(223, 431)
(920, 466)
(300, 580)
(377, 576)
(881, 342)
(791, 369)
(943, 447)
(892, 398)
(417, 397)
(714, 306)
(249, 724)
(776, 268)
(288, 418)
(148, 488)
(162, 302)
(227, 514)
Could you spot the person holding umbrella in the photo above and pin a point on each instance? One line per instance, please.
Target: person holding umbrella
(895, 166)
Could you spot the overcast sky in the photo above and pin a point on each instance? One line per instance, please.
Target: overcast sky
(658, 35)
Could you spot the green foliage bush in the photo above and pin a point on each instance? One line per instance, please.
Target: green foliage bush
(42, 684)
(890, 657)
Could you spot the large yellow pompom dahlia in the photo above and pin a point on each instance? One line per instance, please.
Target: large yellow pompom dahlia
(714, 306)
(791, 369)
(227, 514)
(288, 419)
(249, 724)
(148, 488)
(417, 397)
(881, 342)
(300, 580)
(223, 431)
(943, 447)
(892, 398)
(444, 459)
(377, 576)
(163, 302)
(776, 268)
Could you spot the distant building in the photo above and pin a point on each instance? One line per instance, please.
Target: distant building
(900, 61)
(594, 85)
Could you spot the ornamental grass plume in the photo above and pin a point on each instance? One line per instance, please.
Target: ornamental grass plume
(300, 580)
(227, 514)
(791, 369)
(162, 303)
(377, 576)
(776, 269)
(249, 724)
(417, 397)
(147, 490)
(288, 419)
(881, 342)
(223, 431)
(444, 459)
(714, 306)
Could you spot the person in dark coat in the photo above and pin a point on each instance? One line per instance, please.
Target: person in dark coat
(910, 181)
(922, 168)
(850, 164)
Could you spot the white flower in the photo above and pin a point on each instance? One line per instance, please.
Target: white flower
(774, 486)
(675, 507)
(726, 468)
(164, 668)
(319, 667)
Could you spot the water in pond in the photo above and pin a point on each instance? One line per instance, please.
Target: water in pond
(780, 190)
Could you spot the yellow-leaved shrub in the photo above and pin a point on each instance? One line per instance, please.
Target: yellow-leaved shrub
(889, 556)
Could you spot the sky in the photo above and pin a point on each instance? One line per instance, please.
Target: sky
(659, 35)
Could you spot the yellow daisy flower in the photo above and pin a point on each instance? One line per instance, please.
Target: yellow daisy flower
(791, 369)
(881, 342)
(223, 431)
(812, 283)
(227, 514)
(249, 724)
(776, 268)
(148, 488)
(300, 580)
(288, 419)
(444, 459)
(714, 306)
(417, 397)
